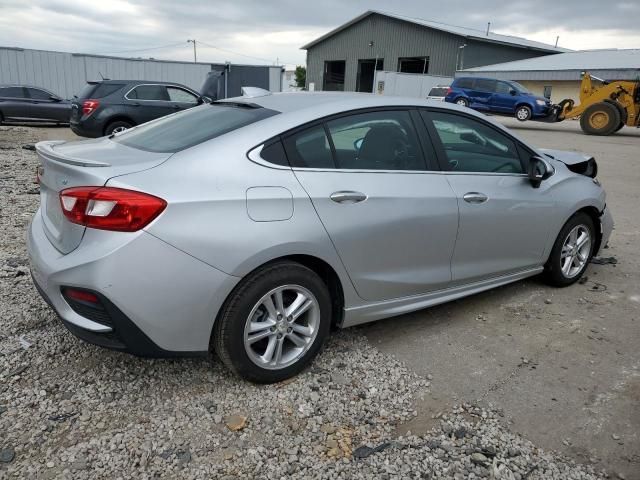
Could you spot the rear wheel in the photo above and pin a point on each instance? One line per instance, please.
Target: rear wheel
(274, 323)
(601, 118)
(523, 113)
(571, 252)
(117, 127)
(463, 102)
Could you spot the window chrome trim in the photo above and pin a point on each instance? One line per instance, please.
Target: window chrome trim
(161, 85)
(254, 156)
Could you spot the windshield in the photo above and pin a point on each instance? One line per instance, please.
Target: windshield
(519, 87)
(191, 127)
(438, 92)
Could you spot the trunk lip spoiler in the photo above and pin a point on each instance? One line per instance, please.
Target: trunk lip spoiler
(45, 149)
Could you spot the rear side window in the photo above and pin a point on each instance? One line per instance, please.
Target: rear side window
(191, 127)
(464, 83)
(149, 92)
(12, 92)
(273, 152)
(310, 149)
(105, 89)
(485, 85)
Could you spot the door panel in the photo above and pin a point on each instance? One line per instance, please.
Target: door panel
(502, 100)
(505, 233)
(396, 243)
(392, 222)
(481, 94)
(13, 103)
(503, 219)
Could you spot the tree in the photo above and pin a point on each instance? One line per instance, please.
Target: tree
(301, 76)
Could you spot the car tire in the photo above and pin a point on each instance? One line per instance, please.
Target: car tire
(463, 102)
(601, 118)
(117, 126)
(254, 302)
(523, 113)
(568, 262)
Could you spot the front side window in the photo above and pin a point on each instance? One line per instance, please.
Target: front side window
(12, 92)
(503, 88)
(149, 92)
(180, 95)
(38, 94)
(384, 140)
(471, 146)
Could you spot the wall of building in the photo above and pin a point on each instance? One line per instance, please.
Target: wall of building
(393, 38)
(559, 89)
(66, 73)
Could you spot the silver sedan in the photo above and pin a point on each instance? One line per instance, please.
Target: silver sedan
(251, 226)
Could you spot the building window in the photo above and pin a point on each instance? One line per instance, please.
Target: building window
(413, 65)
(334, 75)
(547, 91)
(366, 73)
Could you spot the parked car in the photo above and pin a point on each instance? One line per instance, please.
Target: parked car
(439, 92)
(498, 96)
(25, 103)
(112, 106)
(251, 225)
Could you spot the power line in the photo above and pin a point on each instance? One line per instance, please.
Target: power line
(241, 54)
(143, 49)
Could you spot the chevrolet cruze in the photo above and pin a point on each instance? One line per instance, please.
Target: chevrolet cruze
(250, 227)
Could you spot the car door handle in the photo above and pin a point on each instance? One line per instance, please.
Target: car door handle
(348, 197)
(475, 197)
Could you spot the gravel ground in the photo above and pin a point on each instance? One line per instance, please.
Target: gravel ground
(72, 410)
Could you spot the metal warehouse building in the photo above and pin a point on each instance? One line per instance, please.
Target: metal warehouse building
(347, 57)
(558, 77)
(66, 73)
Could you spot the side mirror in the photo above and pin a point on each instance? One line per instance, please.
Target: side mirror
(539, 170)
(53, 98)
(512, 92)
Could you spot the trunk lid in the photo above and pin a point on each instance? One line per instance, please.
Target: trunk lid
(83, 163)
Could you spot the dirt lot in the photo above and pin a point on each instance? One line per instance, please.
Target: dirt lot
(451, 392)
(563, 364)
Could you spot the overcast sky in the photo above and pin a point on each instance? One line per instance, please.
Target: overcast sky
(263, 31)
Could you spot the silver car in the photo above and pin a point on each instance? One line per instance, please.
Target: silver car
(252, 226)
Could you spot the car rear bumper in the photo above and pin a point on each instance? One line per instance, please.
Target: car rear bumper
(87, 128)
(158, 301)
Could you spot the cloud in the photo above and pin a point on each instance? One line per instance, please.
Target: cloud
(255, 31)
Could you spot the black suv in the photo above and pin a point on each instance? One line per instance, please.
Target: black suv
(111, 106)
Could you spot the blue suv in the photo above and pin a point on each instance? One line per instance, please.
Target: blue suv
(498, 96)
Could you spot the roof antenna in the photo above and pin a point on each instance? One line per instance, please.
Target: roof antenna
(557, 38)
(100, 73)
(488, 28)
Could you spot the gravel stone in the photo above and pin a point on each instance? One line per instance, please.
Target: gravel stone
(117, 416)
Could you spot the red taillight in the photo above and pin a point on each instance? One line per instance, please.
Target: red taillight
(81, 295)
(449, 90)
(110, 208)
(89, 106)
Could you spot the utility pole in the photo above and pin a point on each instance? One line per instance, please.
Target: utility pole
(195, 58)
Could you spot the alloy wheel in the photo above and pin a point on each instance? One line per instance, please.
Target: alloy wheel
(281, 327)
(575, 251)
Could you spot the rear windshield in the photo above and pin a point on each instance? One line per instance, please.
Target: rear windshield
(86, 91)
(438, 92)
(191, 127)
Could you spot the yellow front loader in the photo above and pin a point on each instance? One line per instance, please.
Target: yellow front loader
(603, 109)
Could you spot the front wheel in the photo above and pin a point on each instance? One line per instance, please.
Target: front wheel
(523, 113)
(572, 251)
(274, 323)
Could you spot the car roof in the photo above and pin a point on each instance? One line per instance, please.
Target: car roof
(124, 82)
(5, 85)
(288, 102)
